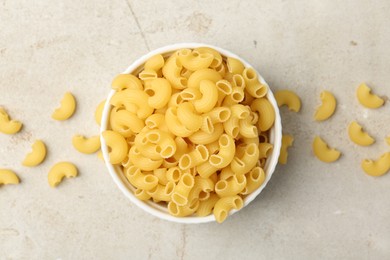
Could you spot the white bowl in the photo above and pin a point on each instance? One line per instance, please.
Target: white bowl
(158, 210)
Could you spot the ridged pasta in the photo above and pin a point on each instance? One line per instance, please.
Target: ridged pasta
(231, 186)
(209, 97)
(266, 113)
(227, 148)
(159, 91)
(140, 180)
(242, 165)
(182, 189)
(203, 74)
(224, 205)
(206, 206)
(201, 137)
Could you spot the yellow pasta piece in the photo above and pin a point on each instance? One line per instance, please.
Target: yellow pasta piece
(193, 60)
(203, 74)
(134, 100)
(287, 141)
(142, 162)
(155, 63)
(8, 126)
(198, 156)
(323, 152)
(171, 72)
(252, 84)
(358, 136)
(224, 157)
(188, 117)
(147, 75)
(140, 180)
(142, 194)
(37, 156)
(201, 190)
(265, 150)
(8, 177)
(59, 171)
(217, 61)
(182, 189)
(182, 211)
(162, 192)
(206, 207)
(367, 99)
(219, 114)
(288, 98)
(235, 66)
(67, 108)
(117, 144)
(327, 107)
(231, 186)
(159, 91)
(86, 145)
(254, 179)
(126, 81)
(174, 125)
(266, 113)
(224, 205)
(378, 167)
(209, 97)
(243, 164)
(99, 112)
(201, 137)
(247, 129)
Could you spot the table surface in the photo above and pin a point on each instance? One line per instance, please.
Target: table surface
(308, 210)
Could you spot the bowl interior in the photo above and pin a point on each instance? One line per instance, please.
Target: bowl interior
(275, 136)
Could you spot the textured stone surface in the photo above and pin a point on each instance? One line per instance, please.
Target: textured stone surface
(309, 209)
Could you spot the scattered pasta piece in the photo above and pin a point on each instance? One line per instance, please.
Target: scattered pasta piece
(323, 152)
(287, 141)
(61, 170)
(99, 112)
(8, 126)
(367, 99)
(37, 156)
(67, 108)
(8, 177)
(86, 145)
(378, 167)
(117, 144)
(327, 107)
(288, 98)
(358, 136)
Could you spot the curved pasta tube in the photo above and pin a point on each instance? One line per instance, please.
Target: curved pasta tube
(37, 155)
(117, 144)
(203, 74)
(86, 145)
(159, 91)
(244, 163)
(358, 136)
(287, 141)
(141, 194)
(142, 162)
(265, 150)
(161, 174)
(206, 206)
(130, 98)
(201, 190)
(174, 125)
(219, 114)
(217, 61)
(231, 186)
(8, 177)
(188, 117)
(235, 66)
(59, 171)
(147, 75)
(154, 121)
(288, 98)
(196, 157)
(174, 174)
(205, 170)
(327, 107)
(126, 81)
(254, 179)
(235, 97)
(207, 125)
(266, 113)
(224, 205)
(67, 108)
(99, 112)
(224, 86)
(252, 83)
(140, 180)
(247, 129)
(193, 60)
(209, 97)
(8, 126)
(181, 147)
(231, 126)
(226, 173)
(155, 63)
(378, 167)
(227, 149)
(367, 99)
(182, 189)
(201, 137)
(162, 192)
(323, 152)
(182, 211)
(171, 72)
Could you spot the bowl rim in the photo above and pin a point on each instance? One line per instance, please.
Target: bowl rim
(272, 161)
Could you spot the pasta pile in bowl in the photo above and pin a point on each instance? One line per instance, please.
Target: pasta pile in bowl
(191, 133)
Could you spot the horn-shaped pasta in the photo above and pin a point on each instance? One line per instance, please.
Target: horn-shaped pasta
(182, 189)
(209, 97)
(142, 162)
(126, 81)
(203, 74)
(323, 152)
(193, 60)
(244, 163)
(252, 84)
(188, 117)
(287, 141)
(142, 194)
(155, 63)
(147, 75)
(61, 170)
(86, 145)
(117, 144)
(367, 99)
(254, 179)
(265, 150)
(8, 126)
(358, 136)
(227, 149)
(140, 180)
(8, 177)
(247, 129)
(235, 66)
(378, 167)
(133, 99)
(219, 114)
(231, 186)
(201, 190)
(182, 211)
(224, 205)
(174, 125)
(162, 192)
(224, 86)
(266, 113)
(288, 98)
(206, 206)
(196, 157)
(201, 137)
(171, 72)
(159, 91)
(327, 107)
(37, 156)
(217, 56)
(67, 108)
